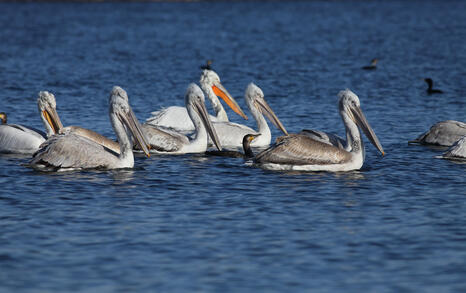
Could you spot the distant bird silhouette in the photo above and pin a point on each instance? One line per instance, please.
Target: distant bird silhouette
(207, 66)
(372, 66)
(430, 90)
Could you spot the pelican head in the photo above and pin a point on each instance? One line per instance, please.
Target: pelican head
(374, 61)
(3, 117)
(195, 100)
(350, 106)
(255, 99)
(48, 112)
(121, 111)
(210, 81)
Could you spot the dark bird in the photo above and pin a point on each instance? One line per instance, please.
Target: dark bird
(430, 89)
(207, 66)
(372, 66)
(247, 139)
(3, 117)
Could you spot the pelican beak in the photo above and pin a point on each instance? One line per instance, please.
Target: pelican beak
(221, 92)
(202, 111)
(52, 118)
(130, 120)
(361, 121)
(265, 109)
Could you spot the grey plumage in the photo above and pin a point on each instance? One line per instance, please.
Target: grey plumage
(300, 149)
(72, 151)
(444, 133)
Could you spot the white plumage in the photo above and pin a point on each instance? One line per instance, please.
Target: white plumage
(177, 117)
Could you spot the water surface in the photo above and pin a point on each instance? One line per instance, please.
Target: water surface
(210, 224)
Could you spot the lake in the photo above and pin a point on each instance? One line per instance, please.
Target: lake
(194, 223)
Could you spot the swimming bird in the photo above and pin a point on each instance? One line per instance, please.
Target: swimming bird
(301, 152)
(167, 141)
(18, 139)
(247, 139)
(177, 117)
(443, 133)
(231, 134)
(372, 66)
(457, 151)
(46, 97)
(430, 89)
(207, 66)
(71, 151)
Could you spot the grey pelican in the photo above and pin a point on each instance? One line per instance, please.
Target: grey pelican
(20, 139)
(47, 98)
(430, 89)
(163, 140)
(372, 66)
(177, 118)
(71, 151)
(231, 134)
(301, 152)
(443, 133)
(247, 139)
(457, 151)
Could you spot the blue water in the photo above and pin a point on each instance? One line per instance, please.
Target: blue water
(210, 224)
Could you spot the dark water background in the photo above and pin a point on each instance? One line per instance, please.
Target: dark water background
(195, 223)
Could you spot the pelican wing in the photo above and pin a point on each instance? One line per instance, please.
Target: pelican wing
(19, 139)
(164, 140)
(94, 136)
(231, 134)
(72, 151)
(327, 138)
(444, 133)
(173, 117)
(457, 150)
(299, 149)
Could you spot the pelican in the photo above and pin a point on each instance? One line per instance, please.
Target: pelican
(167, 141)
(177, 118)
(301, 152)
(372, 66)
(457, 151)
(430, 89)
(444, 133)
(232, 134)
(46, 97)
(71, 151)
(20, 139)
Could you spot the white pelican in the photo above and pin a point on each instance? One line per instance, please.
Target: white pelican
(177, 117)
(301, 152)
(430, 89)
(457, 151)
(71, 151)
(232, 134)
(167, 141)
(46, 97)
(444, 133)
(25, 140)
